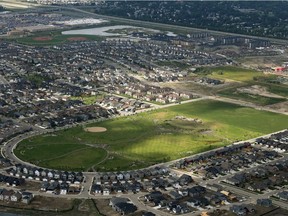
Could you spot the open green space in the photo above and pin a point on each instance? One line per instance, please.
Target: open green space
(174, 64)
(253, 98)
(229, 73)
(59, 155)
(56, 38)
(160, 135)
(30, 152)
(279, 89)
(82, 159)
(268, 83)
(247, 78)
(89, 99)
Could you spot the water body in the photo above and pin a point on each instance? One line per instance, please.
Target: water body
(101, 31)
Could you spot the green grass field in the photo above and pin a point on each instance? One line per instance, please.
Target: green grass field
(234, 73)
(57, 38)
(156, 136)
(174, 64)
(86, 157)
(253, 98)
(89, 100)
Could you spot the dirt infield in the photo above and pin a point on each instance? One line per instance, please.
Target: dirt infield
(95, 129)
(77, 38)
(46, 38)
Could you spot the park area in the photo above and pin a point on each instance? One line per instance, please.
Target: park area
(54, 38)
(244, 84)
(148, 138)
(231, 73)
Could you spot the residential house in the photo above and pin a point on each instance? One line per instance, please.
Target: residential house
(239, 210)
(127, 176)
(174, 195)
(183, 192)
(106, 191)
(44, 173)
(115, 200)
(258, 186)
(79, 177)
(2, 193)
(71, 176)
(120, 176)
(37, 172)
(50, 174)
(44, 185)
(214, 187)
(16, 197)
(148, 214)
(185, 180)
(283, 195)
(7, 195)
(27, 197)
(197, 201)
(196, 191)
(64, 188)
(52, 187)
(125, 208)
(155, 197)
(96, 189)
(264, 202)
(64, 176)
(57, 175)
(74, 188)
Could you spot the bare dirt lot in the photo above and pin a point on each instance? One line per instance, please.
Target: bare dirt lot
(95, 129)
(104, 208)
(280, 106)
(52, 206)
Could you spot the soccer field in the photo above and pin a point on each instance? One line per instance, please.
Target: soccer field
(144, 139)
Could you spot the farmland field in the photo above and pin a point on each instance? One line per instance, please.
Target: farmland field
(144, 139)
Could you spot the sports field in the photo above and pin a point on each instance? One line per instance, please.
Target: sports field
(54, 38)
(144, 139)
